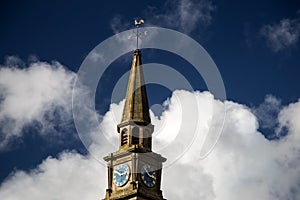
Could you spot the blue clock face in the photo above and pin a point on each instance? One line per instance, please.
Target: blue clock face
(121, 174)
(148, 175)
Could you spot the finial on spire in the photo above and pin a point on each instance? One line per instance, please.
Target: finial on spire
(137, 23)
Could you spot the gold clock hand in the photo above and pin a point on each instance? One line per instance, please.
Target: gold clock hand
(151, 176)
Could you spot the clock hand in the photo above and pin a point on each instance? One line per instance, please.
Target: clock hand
(145, 169)
(123, 173)
(118, 173)
(151, 176)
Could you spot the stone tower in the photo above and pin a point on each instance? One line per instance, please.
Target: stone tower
(134, 171)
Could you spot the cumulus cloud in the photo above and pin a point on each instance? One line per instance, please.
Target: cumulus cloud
(246, 164)
(70, 176)
(39, 94)
(282, 35)
(180, 116)
(243, 163)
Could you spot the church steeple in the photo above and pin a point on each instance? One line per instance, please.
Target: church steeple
(134, 171)
(136, 108)
(135, 127)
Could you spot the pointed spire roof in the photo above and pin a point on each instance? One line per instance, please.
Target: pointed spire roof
(136, 108)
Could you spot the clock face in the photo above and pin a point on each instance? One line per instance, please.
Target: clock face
(121, 174)
(148, 175)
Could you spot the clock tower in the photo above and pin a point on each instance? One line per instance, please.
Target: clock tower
(134, 171)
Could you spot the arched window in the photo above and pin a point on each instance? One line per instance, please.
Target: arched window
(124, 137)
(135, 135)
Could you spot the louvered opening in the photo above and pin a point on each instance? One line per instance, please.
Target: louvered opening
(124, 137)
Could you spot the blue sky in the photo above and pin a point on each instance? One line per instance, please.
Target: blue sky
(255, 45)
(67, 31)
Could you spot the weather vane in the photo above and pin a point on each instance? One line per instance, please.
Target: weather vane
(138, 35)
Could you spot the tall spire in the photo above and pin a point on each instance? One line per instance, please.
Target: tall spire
(136, 108)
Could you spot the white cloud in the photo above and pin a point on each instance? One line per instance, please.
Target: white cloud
(70, 176)
(243, 163)
(38, 94)
(282, 35)
(183, 15)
